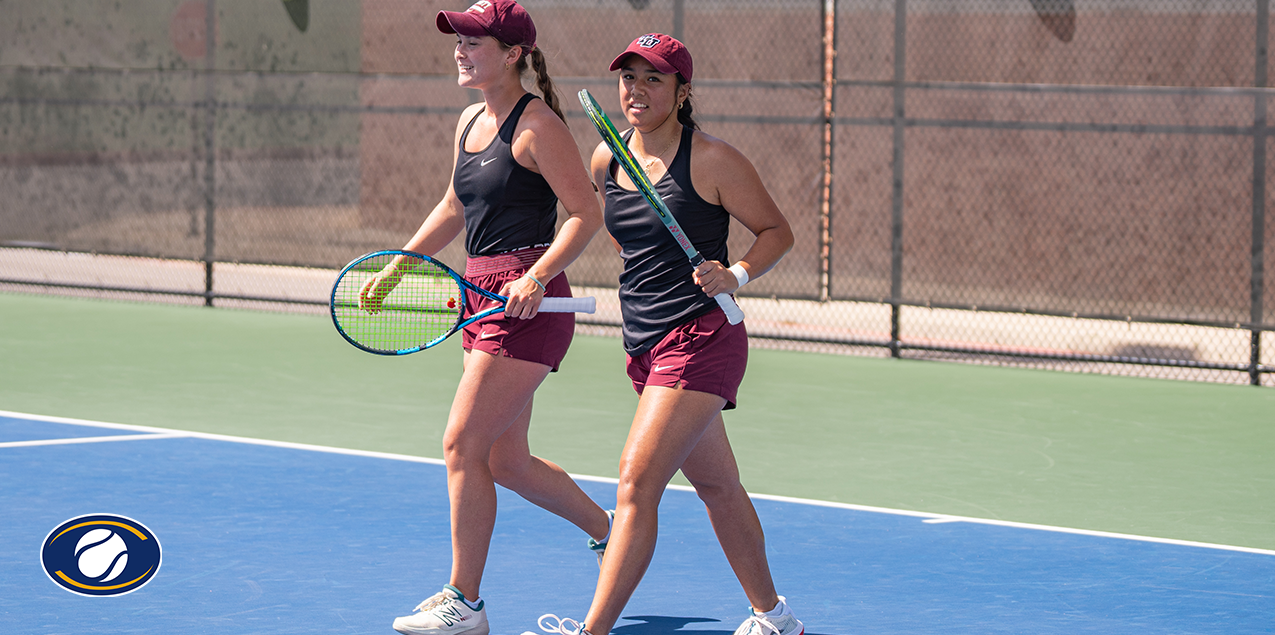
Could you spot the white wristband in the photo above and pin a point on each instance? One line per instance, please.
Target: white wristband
(740, 274)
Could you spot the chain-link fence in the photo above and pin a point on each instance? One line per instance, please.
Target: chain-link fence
(1066, 184)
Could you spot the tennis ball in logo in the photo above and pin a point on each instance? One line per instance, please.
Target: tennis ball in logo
(101, 555)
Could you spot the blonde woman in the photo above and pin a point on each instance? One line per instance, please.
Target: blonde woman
(515, 161)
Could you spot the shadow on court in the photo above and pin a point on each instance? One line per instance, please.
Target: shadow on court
(661, 625)
(658, 625)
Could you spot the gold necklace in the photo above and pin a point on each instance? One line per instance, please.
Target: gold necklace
(652, 158)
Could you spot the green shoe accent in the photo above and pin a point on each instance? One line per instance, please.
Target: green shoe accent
(462, 598)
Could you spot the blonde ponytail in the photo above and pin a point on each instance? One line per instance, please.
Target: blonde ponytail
(543, 82)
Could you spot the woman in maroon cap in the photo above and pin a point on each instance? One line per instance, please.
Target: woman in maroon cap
(515, 161)
(685, 359)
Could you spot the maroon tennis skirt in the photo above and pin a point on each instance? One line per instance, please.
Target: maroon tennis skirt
(707, 354)
(543, 339)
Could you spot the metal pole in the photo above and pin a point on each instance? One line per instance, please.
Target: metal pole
(829, 111)
(210, 159)
(896, 217)
(1256, 279)
(679, 15)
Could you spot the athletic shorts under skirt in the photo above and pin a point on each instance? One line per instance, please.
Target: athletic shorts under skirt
(543, 339)
(706, 354)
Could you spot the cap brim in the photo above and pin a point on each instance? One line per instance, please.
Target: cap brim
(459, 23)
(659, 64)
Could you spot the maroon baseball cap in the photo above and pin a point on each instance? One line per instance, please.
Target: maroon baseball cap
(504, 20)
(664, 52)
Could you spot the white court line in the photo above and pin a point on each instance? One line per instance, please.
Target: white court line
(118, 437)
(929, 517)
(225, 437)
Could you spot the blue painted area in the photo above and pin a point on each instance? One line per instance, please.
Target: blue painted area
(260, 539)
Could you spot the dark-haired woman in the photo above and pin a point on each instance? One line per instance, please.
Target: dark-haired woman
(684, 358)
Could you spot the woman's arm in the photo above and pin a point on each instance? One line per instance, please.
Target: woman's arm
(599, 164)
(439, 228)
(723, 175)
(445, 222)
(543, 144)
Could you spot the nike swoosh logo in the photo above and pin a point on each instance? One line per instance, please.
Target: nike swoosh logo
(487, 335)
(660, 368)
(487, 161)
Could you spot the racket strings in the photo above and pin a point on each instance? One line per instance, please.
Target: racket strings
(413, 305)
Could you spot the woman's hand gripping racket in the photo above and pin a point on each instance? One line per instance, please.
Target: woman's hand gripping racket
(399, 302)
(625, 158)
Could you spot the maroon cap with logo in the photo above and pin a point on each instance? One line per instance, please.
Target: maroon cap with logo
(664, 52)
(504, 20)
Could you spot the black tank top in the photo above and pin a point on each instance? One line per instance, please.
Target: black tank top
(657, 292)
(507, 206)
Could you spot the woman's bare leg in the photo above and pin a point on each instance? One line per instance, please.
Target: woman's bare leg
(711, 468)
(485, 443)
(543, 482)
(493, 393)
(668, 425)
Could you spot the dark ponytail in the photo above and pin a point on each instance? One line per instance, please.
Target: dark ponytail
(685, 114)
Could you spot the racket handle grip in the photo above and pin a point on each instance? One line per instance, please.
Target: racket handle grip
(734, 314)
(586, 304)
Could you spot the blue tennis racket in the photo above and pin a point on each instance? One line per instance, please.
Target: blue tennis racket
(399, 302)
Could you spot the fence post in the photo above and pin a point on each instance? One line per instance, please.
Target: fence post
(679, 18)
(210, 159)
(829, 111)
(896, 216)
(1256, 278)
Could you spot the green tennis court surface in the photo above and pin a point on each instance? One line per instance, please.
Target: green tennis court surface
(1158, 458)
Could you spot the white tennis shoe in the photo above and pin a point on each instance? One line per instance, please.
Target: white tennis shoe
(555, 625)
(444, 613)
(763, 624)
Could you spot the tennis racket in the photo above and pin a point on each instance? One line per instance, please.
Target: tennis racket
(625, 158)
(418, 303)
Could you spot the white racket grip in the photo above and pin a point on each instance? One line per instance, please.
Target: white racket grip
(586, 304)
(734, 314)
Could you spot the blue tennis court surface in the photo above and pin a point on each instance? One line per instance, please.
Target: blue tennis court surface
(270, 538)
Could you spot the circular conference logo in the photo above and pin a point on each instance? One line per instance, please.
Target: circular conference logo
(100, 554)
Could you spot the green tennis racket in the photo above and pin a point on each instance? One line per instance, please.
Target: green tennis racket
(625, 158)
